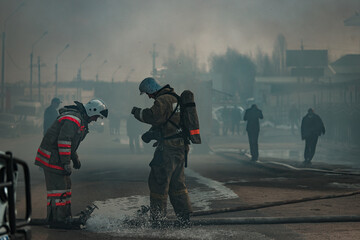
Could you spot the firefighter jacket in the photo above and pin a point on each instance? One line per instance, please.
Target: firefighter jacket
(162, 119)
(62, 139)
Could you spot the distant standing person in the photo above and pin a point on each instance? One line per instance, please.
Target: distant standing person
(51, 113)
(311, 128)
(252, 116)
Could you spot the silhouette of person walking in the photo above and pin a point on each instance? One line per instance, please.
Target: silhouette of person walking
(252, 116)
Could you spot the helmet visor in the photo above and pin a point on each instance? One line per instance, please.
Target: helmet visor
(104, 113)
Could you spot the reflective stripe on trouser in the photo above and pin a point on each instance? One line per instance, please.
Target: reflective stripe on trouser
(166, 179)
(58, 196)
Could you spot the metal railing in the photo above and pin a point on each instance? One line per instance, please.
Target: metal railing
(11, 165)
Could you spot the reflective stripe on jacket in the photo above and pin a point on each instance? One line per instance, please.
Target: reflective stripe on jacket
(61, 141)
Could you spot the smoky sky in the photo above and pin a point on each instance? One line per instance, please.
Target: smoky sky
(123, 32)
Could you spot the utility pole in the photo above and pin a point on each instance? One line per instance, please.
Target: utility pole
(78, 92)
(3, 57)
(97, 72)
(56, 68)
(3, 73)
(31, 60)
(195, 63)
(39, 86)
(154, 55)
(112, 77)
(39, 80)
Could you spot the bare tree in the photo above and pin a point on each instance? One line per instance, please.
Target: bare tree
(264, 65)
(237, 71)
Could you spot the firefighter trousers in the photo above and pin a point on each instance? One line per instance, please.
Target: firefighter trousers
(167, 178)
(58, 189)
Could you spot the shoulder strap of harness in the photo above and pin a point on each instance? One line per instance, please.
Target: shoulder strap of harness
(174, 111)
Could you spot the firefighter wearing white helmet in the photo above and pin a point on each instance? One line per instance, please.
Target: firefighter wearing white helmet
(56, 152)
(96, 107)
(167, 166)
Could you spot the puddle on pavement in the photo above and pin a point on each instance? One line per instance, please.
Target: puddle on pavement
(110, 216)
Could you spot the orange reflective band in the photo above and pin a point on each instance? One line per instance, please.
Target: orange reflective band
(194, 132)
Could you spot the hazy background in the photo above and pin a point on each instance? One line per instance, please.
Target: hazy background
(123, 32)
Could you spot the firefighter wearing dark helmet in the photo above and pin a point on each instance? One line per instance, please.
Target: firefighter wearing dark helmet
(167, 166)
(58, 149)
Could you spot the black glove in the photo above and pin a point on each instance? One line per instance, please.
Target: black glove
(77, 164)
(75, 160)
(151, 135)
(134, 109)
(67, 169)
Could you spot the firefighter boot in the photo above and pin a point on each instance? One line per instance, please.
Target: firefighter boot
(157, 213)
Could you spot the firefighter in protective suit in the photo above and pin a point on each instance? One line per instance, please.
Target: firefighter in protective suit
(58, 149)
(167, 166)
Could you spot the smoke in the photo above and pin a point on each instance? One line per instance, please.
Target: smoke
(122, 32)
(237, 72)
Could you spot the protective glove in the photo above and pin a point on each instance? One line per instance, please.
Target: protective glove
(76, 161)
(77, 164)
(67, 169)
(134, 110)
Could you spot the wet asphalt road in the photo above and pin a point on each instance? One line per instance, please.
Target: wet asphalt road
(117, 182)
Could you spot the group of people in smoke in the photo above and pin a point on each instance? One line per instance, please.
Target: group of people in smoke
(312, 127)
(64, 132)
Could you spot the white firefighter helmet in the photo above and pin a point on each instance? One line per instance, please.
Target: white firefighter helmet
(96, 107)
(149, 85)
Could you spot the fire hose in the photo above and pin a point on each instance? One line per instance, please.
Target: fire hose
(274, 220)
(272, 204)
